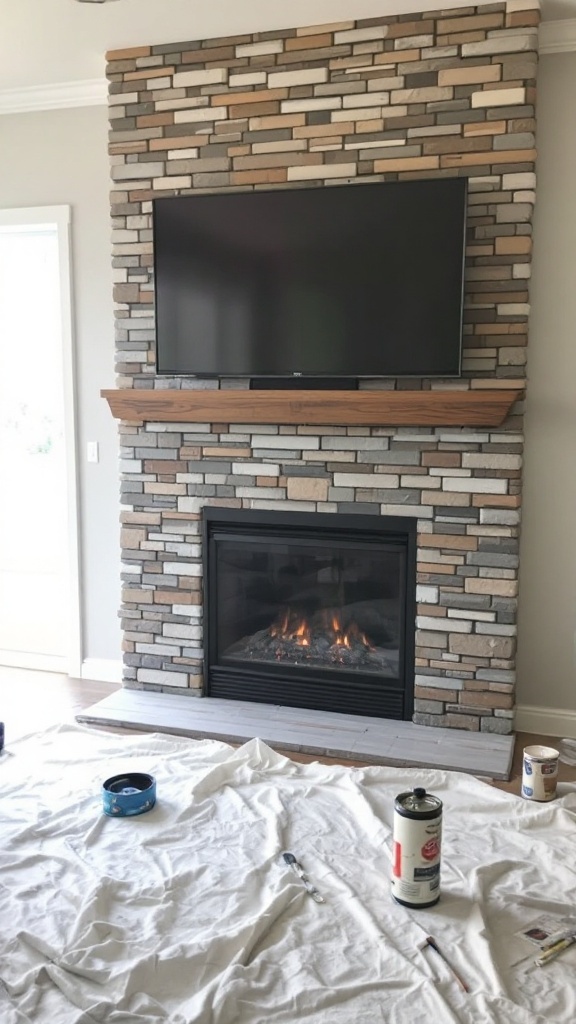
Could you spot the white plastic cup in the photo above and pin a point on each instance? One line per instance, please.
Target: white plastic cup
(539, 773)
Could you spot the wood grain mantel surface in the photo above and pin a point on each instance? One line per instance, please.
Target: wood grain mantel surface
(481, 408)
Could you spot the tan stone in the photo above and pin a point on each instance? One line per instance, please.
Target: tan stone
(442, 540)
(488, 699)
(129, 53)
(313, 42)
(480, 646)
(260, 123)
(513, 245)
(271, 176)
(132, 595)
(252, 96)
(132, 538)
(497, 588)
(306, 488)
(484, 128)
(470, 75)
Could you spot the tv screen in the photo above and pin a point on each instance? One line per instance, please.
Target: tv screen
(347, 280)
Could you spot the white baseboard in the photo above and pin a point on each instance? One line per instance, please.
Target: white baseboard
(35, 662)
(102, 670)
(548, 721)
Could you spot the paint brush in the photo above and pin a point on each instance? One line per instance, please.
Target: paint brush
(434, 945)
(551, 952)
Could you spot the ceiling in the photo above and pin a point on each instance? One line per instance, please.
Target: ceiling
(44, 42)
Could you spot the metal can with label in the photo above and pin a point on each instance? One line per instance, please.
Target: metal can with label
(416, 849)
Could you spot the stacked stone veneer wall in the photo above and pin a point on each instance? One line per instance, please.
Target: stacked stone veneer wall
(444, 93)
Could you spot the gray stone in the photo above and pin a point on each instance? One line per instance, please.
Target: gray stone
(359, 507)
(493, 560)
(432, 707)
(421, 718)
(503, 726)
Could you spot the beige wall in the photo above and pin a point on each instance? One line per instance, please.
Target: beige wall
(547, 618)
(60, 157)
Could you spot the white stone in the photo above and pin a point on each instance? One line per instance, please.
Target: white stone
(507, 43)
(419, 481)
(211, 76)
(122, 98)
(193, 611)
(309, 76)
(359, 114)
(442, 625)
(413, 511)
(200, 114)
(370, 99)
(498, 97)
(513, 309)
(313, 103)
(359, 35)
(259, 49)
(427, 595)
(473, 485)
(299, 441)
(181, 568)
(181, 632)
(256, 468)
(158, 678)
(527, 179)
(469, 613)
(252, 78)
(158, 649)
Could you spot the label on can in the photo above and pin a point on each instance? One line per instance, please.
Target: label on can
(416, 848)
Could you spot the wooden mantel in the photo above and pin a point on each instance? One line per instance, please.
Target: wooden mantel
(478, 408)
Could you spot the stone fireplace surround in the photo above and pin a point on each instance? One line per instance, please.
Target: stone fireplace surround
(448, 92)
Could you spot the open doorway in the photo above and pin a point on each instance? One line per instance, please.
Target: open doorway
(39, 575)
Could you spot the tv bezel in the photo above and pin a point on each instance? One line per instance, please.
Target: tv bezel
(298, 379)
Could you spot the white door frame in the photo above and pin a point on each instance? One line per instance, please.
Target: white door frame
(60, 218)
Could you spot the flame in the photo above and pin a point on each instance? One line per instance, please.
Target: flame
(294, 627)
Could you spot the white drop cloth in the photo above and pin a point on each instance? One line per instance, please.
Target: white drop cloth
(188, 914)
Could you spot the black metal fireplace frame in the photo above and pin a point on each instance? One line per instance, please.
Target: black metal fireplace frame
(379, 697)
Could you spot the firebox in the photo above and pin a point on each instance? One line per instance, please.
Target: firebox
(313, 610)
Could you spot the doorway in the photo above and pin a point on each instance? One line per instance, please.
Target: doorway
(39, 578)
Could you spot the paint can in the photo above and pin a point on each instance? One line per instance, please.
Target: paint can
(129, 794)
(539, 772)
(417, 840)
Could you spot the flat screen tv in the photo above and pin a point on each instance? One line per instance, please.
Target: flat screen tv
(361, 280)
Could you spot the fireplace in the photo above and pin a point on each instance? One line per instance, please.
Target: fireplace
(310, 610)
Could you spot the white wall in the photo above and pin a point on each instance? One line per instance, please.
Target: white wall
(46, 41)
(61, 157)
(547, 616)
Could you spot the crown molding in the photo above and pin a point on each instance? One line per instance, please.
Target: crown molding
(558, 36)
(90, 92)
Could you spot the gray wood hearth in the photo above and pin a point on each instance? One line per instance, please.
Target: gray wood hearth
(302, 730)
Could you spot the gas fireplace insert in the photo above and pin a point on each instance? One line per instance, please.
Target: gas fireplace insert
(312, 610)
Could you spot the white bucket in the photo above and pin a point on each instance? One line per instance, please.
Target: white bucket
(539, 773)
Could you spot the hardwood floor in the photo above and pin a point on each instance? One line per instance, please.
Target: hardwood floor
(31, 701)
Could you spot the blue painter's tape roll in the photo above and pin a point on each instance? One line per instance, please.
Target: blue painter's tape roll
(129, 794)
